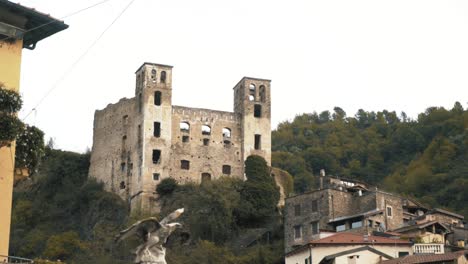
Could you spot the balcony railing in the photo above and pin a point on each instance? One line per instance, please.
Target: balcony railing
(428, 249)
(16, 260)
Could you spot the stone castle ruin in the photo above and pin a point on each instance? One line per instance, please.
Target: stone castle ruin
(137, 142)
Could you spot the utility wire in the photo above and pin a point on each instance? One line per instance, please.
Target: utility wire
(61, 18)
(70, 69)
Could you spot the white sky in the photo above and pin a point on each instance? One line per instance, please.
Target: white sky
(397, 55)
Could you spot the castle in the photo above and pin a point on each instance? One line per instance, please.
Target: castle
(137, 142)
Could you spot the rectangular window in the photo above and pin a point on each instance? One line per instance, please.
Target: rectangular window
(156, 176)
(185, 139)
(257, 110)
(227, 169)
(297, 232)
(122, 166)
(157, 98)
(140, 143)
(157, 129)
(370, 223)
(185, 164)
(297, 210)
(315, 228)
(206, 141)
(356, 224)
(403, 253)
(315, 206)
(140, 102)
(341, 228)
(389, 211)
(258, 141)
(156, 156)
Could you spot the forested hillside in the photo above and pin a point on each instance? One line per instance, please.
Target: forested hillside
(426, 158)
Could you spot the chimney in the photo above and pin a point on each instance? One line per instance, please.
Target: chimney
(322, 174)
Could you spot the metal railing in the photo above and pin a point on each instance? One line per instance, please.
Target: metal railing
(428, 249)
(14, 260)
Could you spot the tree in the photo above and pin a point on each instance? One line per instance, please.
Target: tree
(166, 186)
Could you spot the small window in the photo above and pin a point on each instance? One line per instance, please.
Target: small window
(184, 127)
(153, 75)
(205, 177)
(185, 164)
(157, 129)
(156, 156)
(156, 176)
(122, 185)
(227, 144)
(297, 210)
(139, 136)
(257, 110)
(315, 227)
(251, 97)
(370, 223)
(315, 206)
(402, 253)
(206, 130)
(206, 142)
(226, 169)
(356, 224)
(157, 98)
(163, 77)
(226, 132)
(258, 142)
(389, 211)
(341, 228)
(252, 87)
(122, 166)
(297, 232)
(185, 139)
(125, 119)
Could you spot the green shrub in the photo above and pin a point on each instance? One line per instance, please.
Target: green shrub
(166, 186)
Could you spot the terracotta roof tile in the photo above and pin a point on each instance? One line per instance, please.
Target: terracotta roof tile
(353, 238)
(414, 259)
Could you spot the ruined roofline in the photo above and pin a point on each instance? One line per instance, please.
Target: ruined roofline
(250, 78)
(110, 105)
(154, 64)
(175, 107)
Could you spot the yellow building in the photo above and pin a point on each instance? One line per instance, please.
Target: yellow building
(20, 27)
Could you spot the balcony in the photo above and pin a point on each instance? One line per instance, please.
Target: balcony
(428, 249)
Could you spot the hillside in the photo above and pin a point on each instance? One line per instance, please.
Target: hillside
(426, 158)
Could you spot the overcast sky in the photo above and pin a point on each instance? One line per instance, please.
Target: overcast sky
(395, 55)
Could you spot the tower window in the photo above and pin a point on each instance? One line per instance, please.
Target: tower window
(153, 75)
(156, 176)
(227, 143)
(157, 129)
(206, 142)
(184, 127)
(156, 156)
(185, 139)
(205, 177)
(125, 120)
(251, 98)
(122, 166)
(226, 132)
(163, 77)
(252, 87)
(262, 93)
(185, 164)
(206, 130)
(227, 169)
(257, 110)
(122, 185)
(157, 98)
(258, 141)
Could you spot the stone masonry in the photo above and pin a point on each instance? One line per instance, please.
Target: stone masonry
(138, 142)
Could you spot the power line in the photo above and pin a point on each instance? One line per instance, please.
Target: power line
(61, 18)
(70, 69)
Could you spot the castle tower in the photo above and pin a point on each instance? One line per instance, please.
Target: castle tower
(154, 108)
(252, 101)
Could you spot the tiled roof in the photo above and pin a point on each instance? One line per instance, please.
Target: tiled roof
(414, 259)
(352, 238)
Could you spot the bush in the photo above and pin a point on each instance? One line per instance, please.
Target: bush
(10, 101)
(167, 186)
(10, 127)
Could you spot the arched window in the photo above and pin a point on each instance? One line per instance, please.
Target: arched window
(157, 98)
(205, 177)
(251, 97)
(262, 93)
(252, 87)
(163, 77)
(184, 127)
(226, 132)
(153, 75)
(206, 130)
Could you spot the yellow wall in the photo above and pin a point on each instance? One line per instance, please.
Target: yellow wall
(10, 65)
